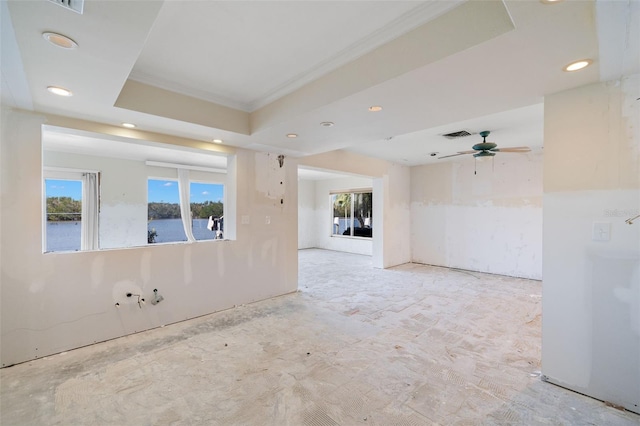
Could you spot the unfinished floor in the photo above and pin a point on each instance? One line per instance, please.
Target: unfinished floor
(411, 345)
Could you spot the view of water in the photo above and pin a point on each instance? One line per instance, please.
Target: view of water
(66, 236)
(63, 236)
(171, 230)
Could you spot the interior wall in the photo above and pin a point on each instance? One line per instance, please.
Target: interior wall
(391, 236)
(488, 222)
(123, 193)
(323, 216)
(54, 302)
(394, 193)
(306, 214)
(591, 286)
(123, 196)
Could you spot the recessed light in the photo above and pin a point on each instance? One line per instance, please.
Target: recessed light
(577, 65)
(375, 108)
(217, 141)
(292, 135)
(60, 91)
(59, 40)
(327, 124)
(128, 125)
(550, 1)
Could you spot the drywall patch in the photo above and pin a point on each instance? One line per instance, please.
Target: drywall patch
(121, 223)
(270, 175)
(496, 239)
(608, 154)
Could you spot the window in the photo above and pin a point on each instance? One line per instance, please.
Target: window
(70, 211)
(163, 212)
(352, 214)
(166, 222)
(207, 210)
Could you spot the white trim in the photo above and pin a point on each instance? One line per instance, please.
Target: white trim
(185, 166)
(47, 171)
(350, 191)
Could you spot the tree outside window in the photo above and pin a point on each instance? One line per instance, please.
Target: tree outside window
(352, 214)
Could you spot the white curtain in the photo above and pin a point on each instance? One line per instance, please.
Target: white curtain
(89, 211)
(185, 202)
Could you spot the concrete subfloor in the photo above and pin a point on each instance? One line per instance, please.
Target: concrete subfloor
(411, 345)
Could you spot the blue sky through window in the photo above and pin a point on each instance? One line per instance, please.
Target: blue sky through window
(167, 191)
(64, 188)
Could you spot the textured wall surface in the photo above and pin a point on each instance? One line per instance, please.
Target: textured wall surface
(489, 222)
(591, 287)
(57, 301)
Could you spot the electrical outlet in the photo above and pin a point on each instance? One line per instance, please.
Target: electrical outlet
(244, 219)
(267, 220)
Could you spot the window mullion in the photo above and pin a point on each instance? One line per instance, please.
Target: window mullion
(352, 211)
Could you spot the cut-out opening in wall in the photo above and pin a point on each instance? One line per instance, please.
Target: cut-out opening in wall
(335, 211)
(123, 169)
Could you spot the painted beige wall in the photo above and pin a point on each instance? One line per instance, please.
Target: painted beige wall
(591, 288)
(488, 222)
(59, 301)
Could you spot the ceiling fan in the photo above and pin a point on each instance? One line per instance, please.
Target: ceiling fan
(487, 149)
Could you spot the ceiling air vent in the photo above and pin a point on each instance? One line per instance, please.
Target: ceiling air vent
(75, 5)
(456, 135)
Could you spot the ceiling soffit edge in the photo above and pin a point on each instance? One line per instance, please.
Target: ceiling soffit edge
(175, 87)
(75, 126)
(464, 27)
(153, 100)
(414, 18)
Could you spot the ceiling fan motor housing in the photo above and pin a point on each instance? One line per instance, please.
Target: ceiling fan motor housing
(484, 146)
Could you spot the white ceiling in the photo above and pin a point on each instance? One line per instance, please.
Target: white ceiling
(251, 72)
(251, 53)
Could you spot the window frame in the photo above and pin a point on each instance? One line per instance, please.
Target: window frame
(61, 173)
(224, 204)
(352, 217)
(191, 180)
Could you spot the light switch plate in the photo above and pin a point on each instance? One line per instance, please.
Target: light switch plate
(601, 231)
(267, 220)
(244, 219)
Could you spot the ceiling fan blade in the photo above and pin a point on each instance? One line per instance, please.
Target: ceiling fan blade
(459, 153)
(514, 149)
